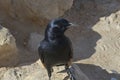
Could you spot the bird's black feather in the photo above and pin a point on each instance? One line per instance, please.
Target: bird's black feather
(55, 48)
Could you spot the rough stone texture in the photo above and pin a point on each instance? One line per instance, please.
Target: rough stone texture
(21, 15)
(77, 73)
(34, 41)
(108, 47)
(8, 49)
(97, 38)
(35, 72)
(35, 10)
(96, 41)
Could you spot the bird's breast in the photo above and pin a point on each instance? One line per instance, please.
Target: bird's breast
(57, 51)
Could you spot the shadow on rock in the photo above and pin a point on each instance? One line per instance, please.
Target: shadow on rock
(94, 72)
(86, 13)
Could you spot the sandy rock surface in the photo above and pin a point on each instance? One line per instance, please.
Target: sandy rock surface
(36, 72)
(35, 10)
(8, 49)
(96, 41)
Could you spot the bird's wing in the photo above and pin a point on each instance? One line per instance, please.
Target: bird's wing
(71, 51)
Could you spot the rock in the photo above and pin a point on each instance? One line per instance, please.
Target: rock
(8, 49)
(35, 17)
(34, 41)
(97, 39)
(35, 10)
(10, 75)
(35, 72)
(77, 73)
(108, 47)
(40, 73)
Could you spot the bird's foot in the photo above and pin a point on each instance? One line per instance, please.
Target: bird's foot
(49, 78)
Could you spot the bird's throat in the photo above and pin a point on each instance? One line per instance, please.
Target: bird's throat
(53, 36)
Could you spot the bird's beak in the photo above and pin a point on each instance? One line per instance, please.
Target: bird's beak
(72, 24)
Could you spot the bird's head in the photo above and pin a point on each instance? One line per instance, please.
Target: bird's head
(57, 27)
(60, 25)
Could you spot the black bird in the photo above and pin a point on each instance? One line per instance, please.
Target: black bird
(56, 49)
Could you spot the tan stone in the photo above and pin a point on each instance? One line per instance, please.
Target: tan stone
(8, 49)
(28, 9)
